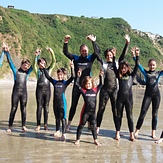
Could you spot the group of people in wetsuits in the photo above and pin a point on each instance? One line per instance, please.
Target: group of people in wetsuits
(119, 93)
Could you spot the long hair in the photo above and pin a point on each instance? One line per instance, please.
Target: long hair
(121, 65)
(107, 50)
(86, 79)
(39, 60)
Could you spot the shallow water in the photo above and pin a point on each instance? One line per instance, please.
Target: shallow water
(36, 147)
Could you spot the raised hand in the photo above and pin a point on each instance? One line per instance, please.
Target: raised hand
(133, 51)
(114, 51)
(38, 51)
(91, 37)
(67, 38)
(49, 49)
(79, 72)
(127, 37)
(137, 51)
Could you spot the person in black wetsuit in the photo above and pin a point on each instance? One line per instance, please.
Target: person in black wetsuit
(125, 97)
(160, 140)
(109, 89)
(152, 94)
(59, 99)
(88, 113)
(84, 61)
(19, 93)
(43, 91)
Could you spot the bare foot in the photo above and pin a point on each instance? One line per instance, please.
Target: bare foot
(24, 129)
(159, 141)
(77, 142)
(136, 135)
(132, 138)
(56, 134)
(117, 136)
(9, 129)
(46, 127)
(97, 143)
(37, 128)
(98, 130)
(154, 137)
(62, 138)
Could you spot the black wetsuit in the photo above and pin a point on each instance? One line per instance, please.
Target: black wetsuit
(109, 89)
(19, 92)
(88, 112)
(59, 100)
(85, 63)
(161, 135)
(125, 97)
(152, 94)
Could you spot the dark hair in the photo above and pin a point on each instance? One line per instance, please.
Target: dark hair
(60, 70)
(39, 60)
(121, 65)
(83, 45)
(152, 59)
(107, 50)
(86, 79)
(25, 61)
(63, 70)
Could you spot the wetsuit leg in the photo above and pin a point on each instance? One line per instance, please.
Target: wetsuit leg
(92, 120)
(64, 123)
(15, 101)
(83, 120)
(155, 107)
(23, 103)
(75, 98)
(145, 106)
(104, 97)
(47, 95)
(161, 135)
(129, 107)
(39, 99)
(56, 110)
(113, 98)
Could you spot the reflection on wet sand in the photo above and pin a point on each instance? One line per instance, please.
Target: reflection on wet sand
(40, 146)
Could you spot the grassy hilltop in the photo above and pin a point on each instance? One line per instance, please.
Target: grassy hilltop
(25, 31)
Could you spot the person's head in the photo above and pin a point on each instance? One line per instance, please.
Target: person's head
(88, 83)
(83, 50)
(152, 64)
(41, 63)
(108, 54)
(25, 64)
(60, 74)
(124, 68)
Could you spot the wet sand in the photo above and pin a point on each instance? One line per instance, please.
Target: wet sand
(33, 147)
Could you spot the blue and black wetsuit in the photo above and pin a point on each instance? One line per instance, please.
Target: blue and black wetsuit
(125, 96)
(88, 112)
(1, 58)
(43, 91)
(59, 100)
(152, 94)
(109, 89)
(85, 63)
(19, 92)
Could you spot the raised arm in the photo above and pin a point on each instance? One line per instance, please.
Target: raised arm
(37, 56)
(1, 57)
(127, 38)
(53, 62)
(65, 47)
(47, 76)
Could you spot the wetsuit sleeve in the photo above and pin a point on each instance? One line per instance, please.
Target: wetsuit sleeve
(35, 68)
(52, 65)
(71, 78)
(48, 77)
(1, 58)
(100, 83)
(66, 53)
(122, 56)
(11, 64)
(30, 70)
(115, 67)
(136, 67)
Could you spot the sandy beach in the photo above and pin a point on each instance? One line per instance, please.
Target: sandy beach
(33, 147)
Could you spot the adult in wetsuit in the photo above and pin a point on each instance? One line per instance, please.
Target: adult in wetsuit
(43, 91)
(88, 113)
(109, 89)
(125, 96)
(152, 94)
(19, 92)
(84, 61)
(59, 99)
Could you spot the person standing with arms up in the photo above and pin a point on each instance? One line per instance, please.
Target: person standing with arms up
(43, 90)
(19, 93)
(109, 89)
(84, 62)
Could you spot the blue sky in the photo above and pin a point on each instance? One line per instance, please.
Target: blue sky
(144, 15)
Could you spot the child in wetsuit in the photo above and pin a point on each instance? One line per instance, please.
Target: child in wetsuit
(89, 93)
(125, 96)
(152, 94)
(59, 100)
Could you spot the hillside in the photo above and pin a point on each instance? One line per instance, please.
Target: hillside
(25, 31)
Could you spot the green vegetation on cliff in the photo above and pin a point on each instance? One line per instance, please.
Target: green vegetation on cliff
(25, 31)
